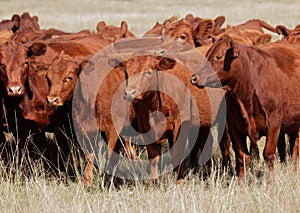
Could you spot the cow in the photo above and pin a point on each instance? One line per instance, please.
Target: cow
(291, 36)
(144, 77)
(182, 40)
(112, 33)
(12, 24)
(30, 30)
(256, 106)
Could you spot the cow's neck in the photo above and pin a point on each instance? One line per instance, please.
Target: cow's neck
(244, 92)
(144, 108)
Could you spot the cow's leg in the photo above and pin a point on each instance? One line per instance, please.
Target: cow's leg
(294, 143)
(241, 152)
(113, 150)
(180, 134)
(154, 152)
(270, 147)
(281, 146)
(225, 149)
(129, 149)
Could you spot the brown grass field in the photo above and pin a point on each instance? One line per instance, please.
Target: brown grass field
(220, 192)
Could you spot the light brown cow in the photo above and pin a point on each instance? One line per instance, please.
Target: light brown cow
(145, 75)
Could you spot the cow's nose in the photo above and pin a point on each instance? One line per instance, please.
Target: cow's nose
(195, 81)
(53, 101)
(14, 90)
(130, 95)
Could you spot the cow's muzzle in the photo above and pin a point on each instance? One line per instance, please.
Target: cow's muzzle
(195, 80)
(54, 101)
(14, 91)
(130, 95)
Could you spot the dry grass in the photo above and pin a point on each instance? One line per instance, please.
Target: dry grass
(219, 192)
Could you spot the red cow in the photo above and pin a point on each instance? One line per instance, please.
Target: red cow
(256, 106)
(143, 80)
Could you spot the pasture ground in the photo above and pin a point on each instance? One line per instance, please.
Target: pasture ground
(219, 192)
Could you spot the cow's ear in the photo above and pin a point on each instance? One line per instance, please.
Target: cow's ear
(37, 49)
(86, 66)
(204, 28)
(101, 26)
(282, 30)
(219, 21)
(231, 53)
(166, 64)
(124, 28)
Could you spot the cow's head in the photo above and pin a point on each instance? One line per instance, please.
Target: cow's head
(13, 67)
(141, 75)
(292, 36)
(216, 71)
(113, 33)
(179, 35)
(62, 77)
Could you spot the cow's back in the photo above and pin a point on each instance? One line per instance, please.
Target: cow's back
(287, 58)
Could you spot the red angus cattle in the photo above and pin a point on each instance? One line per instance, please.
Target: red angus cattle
(256, 105)
(13, 24)
(13, 69)
(113, 33)
(184, 38)
(29, 30)
(178, 127)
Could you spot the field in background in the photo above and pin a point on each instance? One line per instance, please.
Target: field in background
(220, 192)
(142, 15)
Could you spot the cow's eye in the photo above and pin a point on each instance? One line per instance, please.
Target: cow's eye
(26, 65)
(148, 73)
(183, 37)
(218, 57)
(67, 79)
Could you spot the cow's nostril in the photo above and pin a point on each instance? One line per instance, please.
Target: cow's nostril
(133, 91)
(19, 89)
(194, 79)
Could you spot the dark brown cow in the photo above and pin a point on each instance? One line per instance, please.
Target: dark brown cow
(292, 36)
(256, 106)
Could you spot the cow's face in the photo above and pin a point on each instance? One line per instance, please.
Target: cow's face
(179, 32)
(13, 67)
(217, 69)
(113, 33)
(143, 77)
(62, 77)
